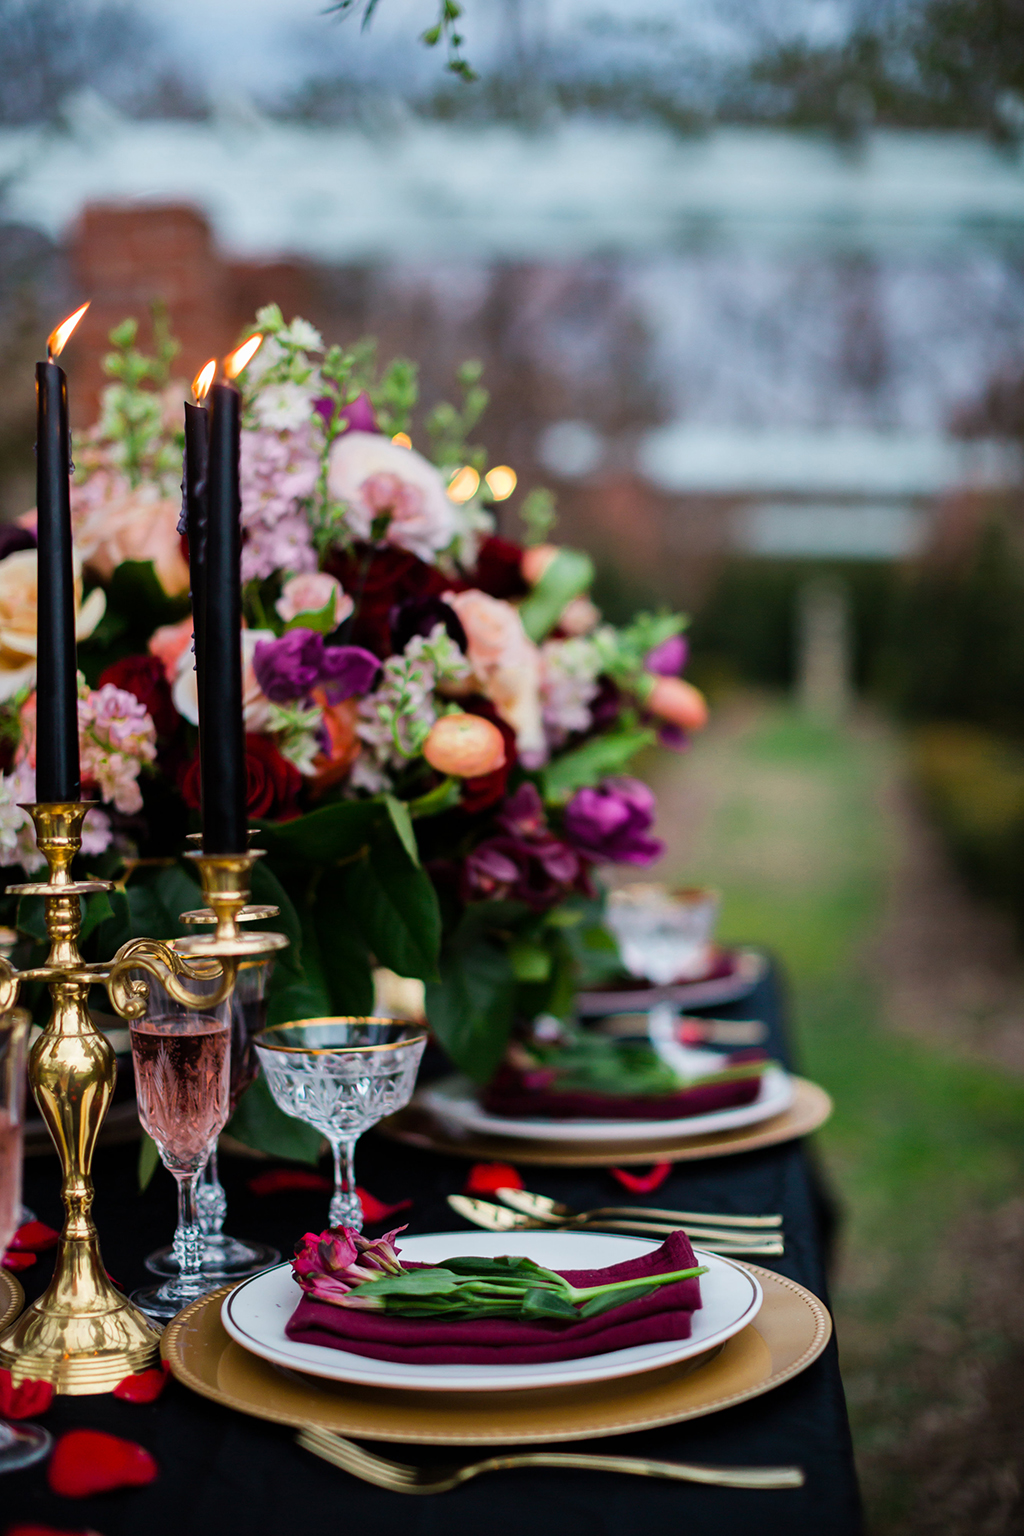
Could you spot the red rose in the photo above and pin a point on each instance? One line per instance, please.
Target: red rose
(273, 782)
(145, 677)
(498, 571)
(379, 579)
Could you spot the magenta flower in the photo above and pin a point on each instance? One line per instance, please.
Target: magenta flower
(522, 814)
(610, 823)
(540, 872)
(290, 668)
(669, 658)
(330, 1265)
(360, 414)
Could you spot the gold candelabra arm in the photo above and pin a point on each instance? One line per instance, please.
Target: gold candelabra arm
(129, 995)
(10, 985)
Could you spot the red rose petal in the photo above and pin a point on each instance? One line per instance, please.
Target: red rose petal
(13, 1260)
(144, 1386)
(88, 1461)
(487, 1178)
(277, 1180)
(35, 1236)
(26, 1400)
(642, 1183)
(376, 1210)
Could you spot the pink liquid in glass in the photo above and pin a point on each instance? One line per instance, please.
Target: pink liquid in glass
(10, 1178)
(181, 1079)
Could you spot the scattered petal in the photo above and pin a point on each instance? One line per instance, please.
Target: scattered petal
(642, 1183)
(17, 1260)
(35, 1236)
(144, 1386)
(277, 1180)
(45, 1530)
(89, 1461)
(26, 1400)
(488, 1178)
(376, 1210)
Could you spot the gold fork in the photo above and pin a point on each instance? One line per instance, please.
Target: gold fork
(399, 1477)
(497, 1218)
(542, 1207)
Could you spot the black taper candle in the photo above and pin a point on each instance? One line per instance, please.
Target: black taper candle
(58, 774)
(197, 424)
(223, 758)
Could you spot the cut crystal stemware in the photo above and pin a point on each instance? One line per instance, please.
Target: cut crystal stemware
(342, 1075)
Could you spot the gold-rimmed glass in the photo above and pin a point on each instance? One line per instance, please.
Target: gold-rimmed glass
(341, 1075)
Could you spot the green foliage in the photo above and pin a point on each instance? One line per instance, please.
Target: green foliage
(538, 515)
(132, 414)
(589, 763)
(448, 426)
(569, 574)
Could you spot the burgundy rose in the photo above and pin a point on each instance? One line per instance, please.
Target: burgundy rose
(144, 676)
(379, 580)
(421, 616)
(610, 823)
(13, 538)
(273, 783)
(498, 570)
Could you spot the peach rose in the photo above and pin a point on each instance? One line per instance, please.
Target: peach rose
(167, 644)
(18, 599)
(679, 702)
(185, 689)
(466, 746)
(506, 664)
(310, 593)
(114, 522)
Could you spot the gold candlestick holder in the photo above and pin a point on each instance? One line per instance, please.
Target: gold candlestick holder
(83, 1335)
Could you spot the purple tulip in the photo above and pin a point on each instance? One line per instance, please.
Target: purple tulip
(290, 668)
(610, 823)
(539, 872)
(360, 414)
(669, 658)
(522, 814)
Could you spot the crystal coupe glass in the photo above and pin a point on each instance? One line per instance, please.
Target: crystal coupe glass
(341, 1075)
(20, 1444)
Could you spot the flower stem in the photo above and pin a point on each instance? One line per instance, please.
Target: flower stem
(574, 1295)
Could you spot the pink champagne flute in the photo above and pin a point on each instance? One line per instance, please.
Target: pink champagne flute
(182, 1061)
(20, 1444)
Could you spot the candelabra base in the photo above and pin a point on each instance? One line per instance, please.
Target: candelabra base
(82, 1335)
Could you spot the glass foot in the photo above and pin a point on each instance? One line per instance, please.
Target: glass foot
(224, 1258)
(162, 1302)
(21, 1445)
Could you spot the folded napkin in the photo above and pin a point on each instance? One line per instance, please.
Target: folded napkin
(520, 1095)
(663, 1315)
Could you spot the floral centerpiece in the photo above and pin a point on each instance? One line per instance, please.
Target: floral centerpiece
(438, 720)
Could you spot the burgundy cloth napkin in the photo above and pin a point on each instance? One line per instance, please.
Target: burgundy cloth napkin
(511, 1093)
(662, 1315)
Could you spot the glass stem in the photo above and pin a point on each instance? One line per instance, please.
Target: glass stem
(346, 1211)
(188, 1238)
(211, 1199)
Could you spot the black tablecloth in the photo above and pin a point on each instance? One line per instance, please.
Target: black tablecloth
(224, 1474)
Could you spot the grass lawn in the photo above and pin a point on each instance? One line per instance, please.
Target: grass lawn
(925, 1149)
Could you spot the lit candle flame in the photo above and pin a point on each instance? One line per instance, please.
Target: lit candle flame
(202, 381)
(58, 339)
(236, 361)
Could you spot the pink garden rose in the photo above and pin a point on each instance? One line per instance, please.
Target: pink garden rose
(114, 521)
(311, 593)
(506, 665)
(375, 477)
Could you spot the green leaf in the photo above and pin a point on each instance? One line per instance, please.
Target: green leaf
(471, 1008)
(598, 1304)
(320, 619)
(401, 820)
(590, 763)
(323, 837)
(443, 797)
(344, 959)
(569, 574)
(541, 1303)
(137, 595)
(529, 961)
(435, 1281)
(259, 1123)
(149, 1160)
(394, 906)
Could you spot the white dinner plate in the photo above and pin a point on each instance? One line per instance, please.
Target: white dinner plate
(255, 1314)
(453, 1101)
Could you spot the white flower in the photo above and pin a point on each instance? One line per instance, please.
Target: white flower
(377, 479)
(283, 407)
(255, 704)
(303, 335)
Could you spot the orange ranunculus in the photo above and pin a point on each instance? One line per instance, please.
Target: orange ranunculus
(465, 746)
(340, 724)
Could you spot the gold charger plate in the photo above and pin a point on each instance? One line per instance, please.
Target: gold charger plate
(810, 1108)
(789, 1333)
(12, 1298)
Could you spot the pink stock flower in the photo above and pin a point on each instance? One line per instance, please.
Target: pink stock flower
(117, 736)
(376, 478)
(331, 1265)
(278, 475)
